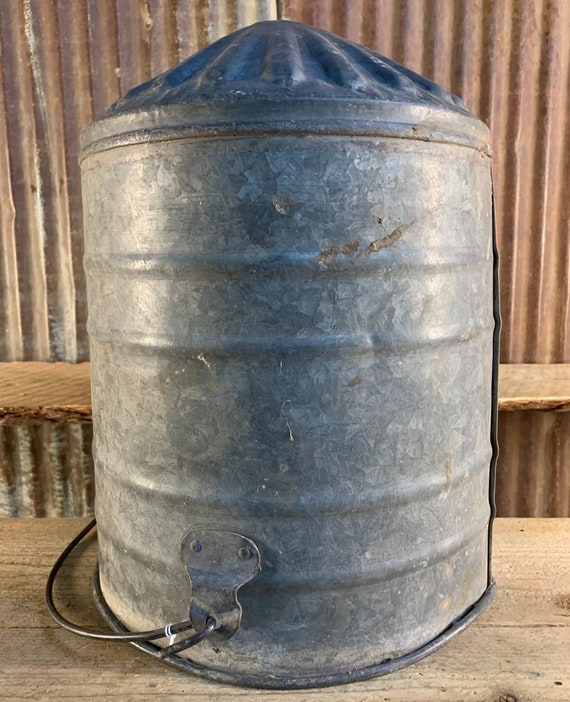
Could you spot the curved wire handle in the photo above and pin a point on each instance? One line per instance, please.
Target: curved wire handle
(170, 630)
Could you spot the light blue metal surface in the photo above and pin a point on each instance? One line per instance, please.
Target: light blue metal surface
(291, 320)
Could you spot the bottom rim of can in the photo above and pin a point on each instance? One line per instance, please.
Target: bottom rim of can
(281, 682)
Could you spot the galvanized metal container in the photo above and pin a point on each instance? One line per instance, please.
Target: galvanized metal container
(291, 280)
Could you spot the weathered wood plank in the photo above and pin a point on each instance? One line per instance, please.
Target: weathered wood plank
(519, 650)
(36, 392)
(534, 386)
(32, 392)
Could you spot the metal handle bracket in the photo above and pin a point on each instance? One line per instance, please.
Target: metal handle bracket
(219, 563)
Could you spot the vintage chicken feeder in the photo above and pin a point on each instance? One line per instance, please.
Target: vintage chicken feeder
(292, 299)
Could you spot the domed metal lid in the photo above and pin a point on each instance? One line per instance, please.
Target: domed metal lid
(282, 76)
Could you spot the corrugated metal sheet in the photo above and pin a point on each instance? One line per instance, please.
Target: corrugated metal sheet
(46, 470)
(533, 479)
(63, 63)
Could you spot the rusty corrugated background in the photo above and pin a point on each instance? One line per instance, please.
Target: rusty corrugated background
(533, 477)
(46, 470)
(64, 61)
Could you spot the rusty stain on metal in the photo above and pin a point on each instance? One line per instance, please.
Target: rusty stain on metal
(354, 382)
(386, 241)
(349, 248)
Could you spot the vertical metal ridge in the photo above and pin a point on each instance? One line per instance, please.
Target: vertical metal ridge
(53, 457)
(525, 89)
(563, 252)
(532, 475)
(201, 22)
(192, 29)
(26, 180)
(362, 32)
(469, 53)
(506, 493)
(77, 112)
(43, 34)
(23, 458)
(222, 19)
(495, 84)
(134, 27)
(161, 17)
(551, 188)
(428, 57)
(559, 498)
(440, 69)
(541, 298)
(413, 37)
(103, 54)
(309, 13)
(398, 34)
(534, 486)
(502, 115)
(46, 470)
(248, 12)
(84, 437)
(556, 495)
(8, 501)
(79, 465)
(11, 342)
(385, 18)
(351, 16)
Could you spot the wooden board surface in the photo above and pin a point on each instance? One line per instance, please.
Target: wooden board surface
(35, 392)
(531, 386)
(517, 651)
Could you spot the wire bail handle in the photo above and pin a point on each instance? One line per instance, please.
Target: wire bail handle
(218, 563)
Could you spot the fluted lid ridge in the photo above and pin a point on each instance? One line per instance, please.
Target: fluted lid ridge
(286, 60)
(282, 77)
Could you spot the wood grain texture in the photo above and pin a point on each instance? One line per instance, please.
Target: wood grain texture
(517, 651)
(533, 386)
(60, 391)
(34, 392)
